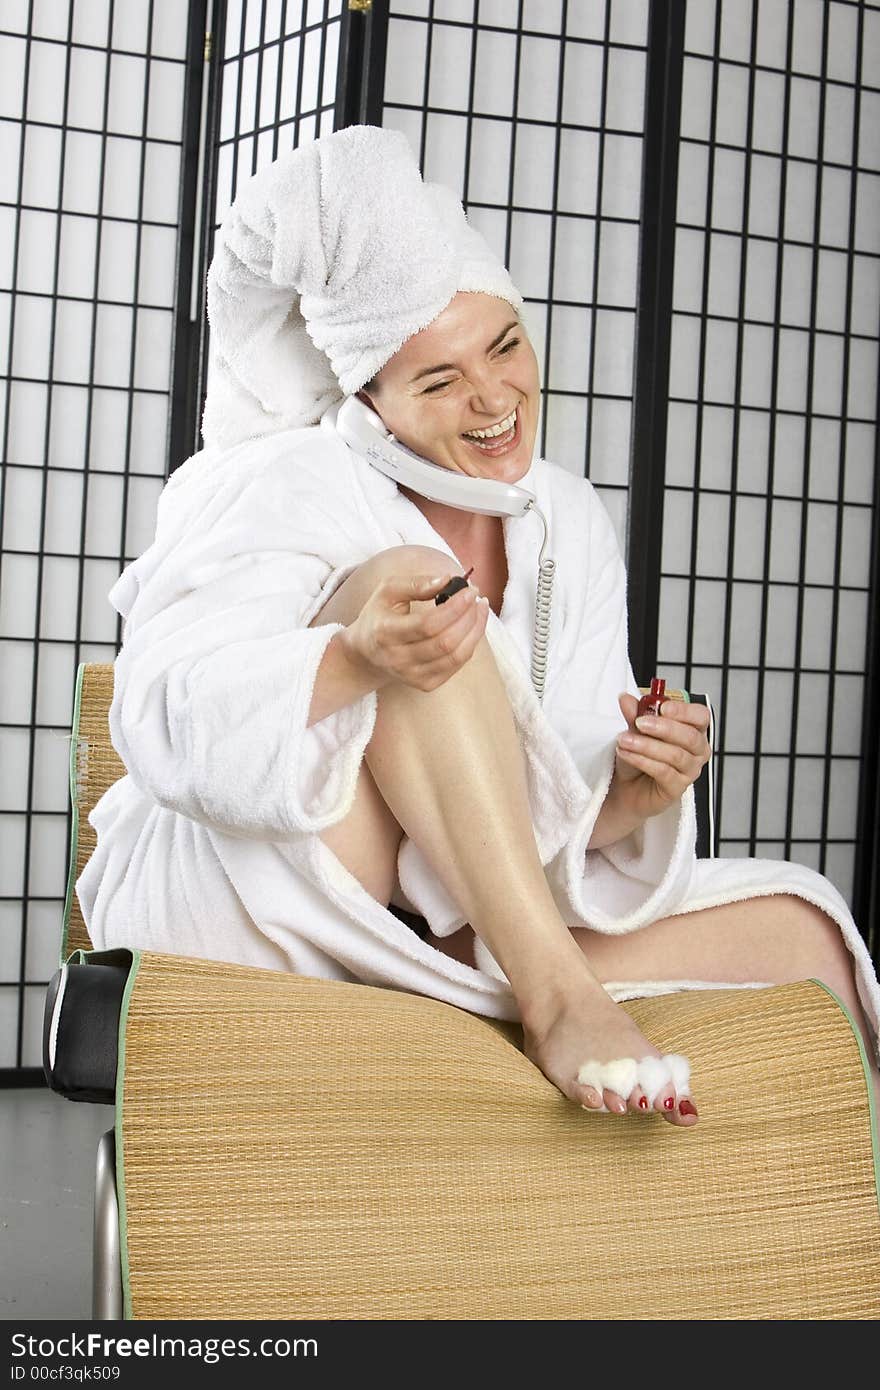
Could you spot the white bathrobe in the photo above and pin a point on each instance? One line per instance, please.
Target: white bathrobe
(211, 847)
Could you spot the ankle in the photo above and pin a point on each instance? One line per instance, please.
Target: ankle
(557, 991)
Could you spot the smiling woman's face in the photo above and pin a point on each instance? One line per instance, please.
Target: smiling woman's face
(464, 392)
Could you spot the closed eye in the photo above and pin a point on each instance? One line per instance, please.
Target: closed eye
(504, 351)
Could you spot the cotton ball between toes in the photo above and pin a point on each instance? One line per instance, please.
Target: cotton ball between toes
(618, 1076)
(624, 1073)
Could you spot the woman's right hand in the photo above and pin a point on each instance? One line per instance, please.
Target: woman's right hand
(401, 634)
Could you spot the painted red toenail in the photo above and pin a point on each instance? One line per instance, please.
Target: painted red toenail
(687, 1108)
(643, 1102)
(669, 1103)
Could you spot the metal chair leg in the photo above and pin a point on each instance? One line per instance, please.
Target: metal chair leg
(106, 1263)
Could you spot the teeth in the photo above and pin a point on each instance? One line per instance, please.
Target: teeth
(494, 430)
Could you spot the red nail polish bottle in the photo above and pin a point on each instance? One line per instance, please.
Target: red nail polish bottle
(650, 703)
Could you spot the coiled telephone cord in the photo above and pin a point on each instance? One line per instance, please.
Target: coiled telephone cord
(543, 598)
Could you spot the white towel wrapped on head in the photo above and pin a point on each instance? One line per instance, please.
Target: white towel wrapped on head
(329, 259)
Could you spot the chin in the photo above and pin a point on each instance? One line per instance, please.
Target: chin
(516, 465)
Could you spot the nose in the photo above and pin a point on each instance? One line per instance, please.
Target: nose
(489, 394)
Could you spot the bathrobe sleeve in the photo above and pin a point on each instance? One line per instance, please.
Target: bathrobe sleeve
(213, 684)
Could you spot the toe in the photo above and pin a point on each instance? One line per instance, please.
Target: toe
(591, 1099)
(638, 1101)
(665, 1102)
(615, 1103)
(682, 1112)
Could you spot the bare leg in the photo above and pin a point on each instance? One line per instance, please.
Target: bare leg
(776, 939)
(450, 769)
(368, 839)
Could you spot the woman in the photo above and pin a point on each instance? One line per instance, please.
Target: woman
(311, 740)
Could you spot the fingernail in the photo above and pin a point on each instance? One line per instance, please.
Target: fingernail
(643, 1102)
(669, 1103)
(687, 1107)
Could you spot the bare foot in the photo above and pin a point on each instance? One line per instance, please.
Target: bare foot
(581, 1023)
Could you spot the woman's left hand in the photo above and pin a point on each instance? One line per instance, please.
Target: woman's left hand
(659, 757)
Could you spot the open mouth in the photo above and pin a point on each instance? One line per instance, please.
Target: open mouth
(497, 439)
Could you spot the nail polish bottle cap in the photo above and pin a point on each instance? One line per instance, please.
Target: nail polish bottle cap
(658, 685)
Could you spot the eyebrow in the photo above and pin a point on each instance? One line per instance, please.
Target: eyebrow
(450, 366)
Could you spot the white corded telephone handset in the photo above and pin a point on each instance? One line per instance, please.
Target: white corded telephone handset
(365, 432)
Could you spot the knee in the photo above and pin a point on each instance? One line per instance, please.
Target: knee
(816, 938)
(409, 560)
(345, 604)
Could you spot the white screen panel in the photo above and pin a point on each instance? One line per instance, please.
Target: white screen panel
(88, 224)
(551, 147)
(798, 369)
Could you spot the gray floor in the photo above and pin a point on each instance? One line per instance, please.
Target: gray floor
(47, 1175)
